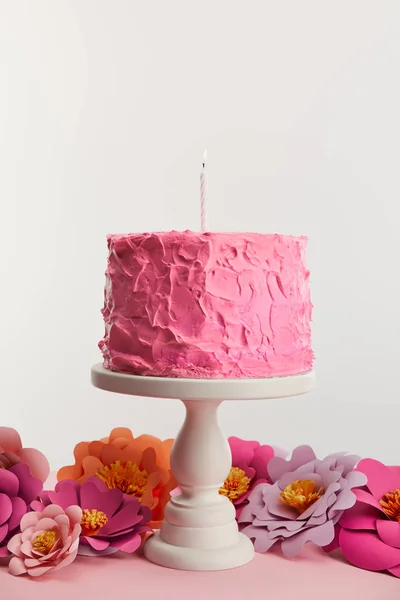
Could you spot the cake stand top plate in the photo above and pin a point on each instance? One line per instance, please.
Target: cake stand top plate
(202, 389)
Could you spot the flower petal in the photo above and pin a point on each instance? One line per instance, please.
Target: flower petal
(66, 493)
(29, 520)
(273, 525)
(19, 508)
(242, 452)
(90, 466)
(120, 450)
(75, 471)
(14, 545)
(37, 463)
(364, 549)
(148, 499)
(389, 532)
(262, 542)
(44, 524)
(96, 543)
(255, 504)
(3, 531)
(360, 516)
(260, 460)
(26, 549)
(127, 517)
(278, 466)
(32, 562)
(9, 483)
(29, 486)
(62, 521)
(16, 566)
(51, 511)
(273, 507)
(5, 508)
(95, 448)
(395, 571)
(107, 500)
(27, 533)
(120, 432)
(367, 498)
(74, 513)
(128, 543)
(70, 557)
(110, 454)
(40, 570)
(345, 461)
(10, 440)
(334, 545)
(321, 535)
(381, 479)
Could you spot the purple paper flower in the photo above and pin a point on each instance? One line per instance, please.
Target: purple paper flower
(111, 520)
(305, 500)
(17, 490)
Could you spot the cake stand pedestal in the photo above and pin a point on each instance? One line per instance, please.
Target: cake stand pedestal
(199, 531)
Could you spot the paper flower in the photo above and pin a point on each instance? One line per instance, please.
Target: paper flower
(249, 468)
(138, 467)
(8, 459)
(17, 490)
(368, 534)
(305, 500)
(48, 540)
(110, 518)
(12, 452)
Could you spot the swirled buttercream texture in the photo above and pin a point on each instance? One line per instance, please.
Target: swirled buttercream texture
(207, 305)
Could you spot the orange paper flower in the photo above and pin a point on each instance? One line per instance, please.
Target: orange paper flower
(138, 466)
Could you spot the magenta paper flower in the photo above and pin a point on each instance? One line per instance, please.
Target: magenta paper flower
(305, 500)
(368, 534)
(249, 468)
(17, 490)
(111, 520)
(48, 540)
(12, 452)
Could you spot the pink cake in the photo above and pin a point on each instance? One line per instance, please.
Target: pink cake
(207, 305)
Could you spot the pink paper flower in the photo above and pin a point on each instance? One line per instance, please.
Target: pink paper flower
(305, 500)
(111, 520)
(8, 459)
(17, 490)
(249, 468)
(11, 452)
(368, 534)
(48, 540)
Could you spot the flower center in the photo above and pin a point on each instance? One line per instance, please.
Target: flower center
(126, 477)
(92, 521)
(236, 484)
(391, 504)
(44, 542)
(301, 494)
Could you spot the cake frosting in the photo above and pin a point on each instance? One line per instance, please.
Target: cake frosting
(207, 305)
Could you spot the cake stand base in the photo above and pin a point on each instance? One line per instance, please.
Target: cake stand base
(198, 559)
(199, 531)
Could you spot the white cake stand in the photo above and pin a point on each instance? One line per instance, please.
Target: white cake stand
(199, 531)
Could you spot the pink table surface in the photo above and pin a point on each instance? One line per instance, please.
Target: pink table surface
(311, 576)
